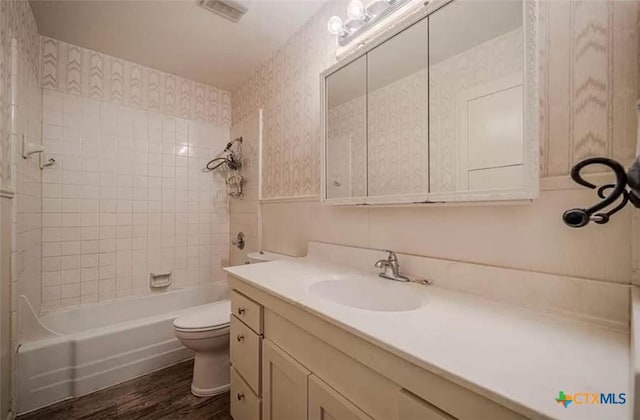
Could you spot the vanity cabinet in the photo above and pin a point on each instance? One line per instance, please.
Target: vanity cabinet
(313, 369)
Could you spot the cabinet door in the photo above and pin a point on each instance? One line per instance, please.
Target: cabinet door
(284, 385)
(326, 404)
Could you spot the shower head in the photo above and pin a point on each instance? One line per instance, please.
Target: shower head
(239, 139)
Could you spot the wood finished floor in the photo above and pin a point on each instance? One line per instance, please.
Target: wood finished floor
(165, 394)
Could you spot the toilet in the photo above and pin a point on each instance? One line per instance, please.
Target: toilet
(205, 330)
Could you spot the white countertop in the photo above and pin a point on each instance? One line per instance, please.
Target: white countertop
(517, 357)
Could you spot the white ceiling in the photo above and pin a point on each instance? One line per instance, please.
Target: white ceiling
(177, 36)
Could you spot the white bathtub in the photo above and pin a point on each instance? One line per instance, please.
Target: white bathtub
(74, 352)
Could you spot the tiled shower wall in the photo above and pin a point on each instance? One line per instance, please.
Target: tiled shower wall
(26, 258)
(127, 196)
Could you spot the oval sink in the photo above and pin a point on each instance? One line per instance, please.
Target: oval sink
(370, 294)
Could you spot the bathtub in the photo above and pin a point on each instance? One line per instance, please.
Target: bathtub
(74, 352)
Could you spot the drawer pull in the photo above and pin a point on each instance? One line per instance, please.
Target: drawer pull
(240, 396)
(241, 311)
(240, 338)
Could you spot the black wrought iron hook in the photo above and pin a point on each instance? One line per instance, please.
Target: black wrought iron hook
(602, 218)
(580, 217)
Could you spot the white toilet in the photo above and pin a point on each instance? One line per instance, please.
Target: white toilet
(205, 330)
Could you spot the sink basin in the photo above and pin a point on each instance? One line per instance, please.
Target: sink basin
(369, 293)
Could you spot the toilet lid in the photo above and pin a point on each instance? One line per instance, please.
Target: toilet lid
(212, 316)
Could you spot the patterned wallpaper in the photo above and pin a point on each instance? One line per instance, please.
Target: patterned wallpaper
(588, 88)
(78, 71)
(588, 81)
(286, 87)
(16, 21)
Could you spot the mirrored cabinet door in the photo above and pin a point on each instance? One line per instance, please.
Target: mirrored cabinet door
(397, 120)
(443, 107)
(476, 97)
(346, 131)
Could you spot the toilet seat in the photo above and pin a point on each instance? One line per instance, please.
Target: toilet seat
(210, 317)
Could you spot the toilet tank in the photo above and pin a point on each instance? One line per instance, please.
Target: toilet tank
(264, 256)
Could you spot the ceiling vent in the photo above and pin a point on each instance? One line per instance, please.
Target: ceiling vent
(228, 9)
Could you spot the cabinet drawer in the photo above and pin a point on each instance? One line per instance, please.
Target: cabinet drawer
(245, 353)
(411, 407)
(245, 405)
(247, 311)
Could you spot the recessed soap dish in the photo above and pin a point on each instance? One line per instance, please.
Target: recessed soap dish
(159, 280)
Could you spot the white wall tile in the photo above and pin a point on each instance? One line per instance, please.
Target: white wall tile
(110, 206)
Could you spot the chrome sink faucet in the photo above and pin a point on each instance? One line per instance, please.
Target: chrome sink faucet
(391, 264)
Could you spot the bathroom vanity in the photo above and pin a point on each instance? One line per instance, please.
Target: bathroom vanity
(313, 340)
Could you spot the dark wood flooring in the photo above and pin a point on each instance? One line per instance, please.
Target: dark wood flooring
(165, 394)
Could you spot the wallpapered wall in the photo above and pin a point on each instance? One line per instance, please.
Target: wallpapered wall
(588, 88)
(16, 22)
(78, 71)
(588, 81)
(286, 86)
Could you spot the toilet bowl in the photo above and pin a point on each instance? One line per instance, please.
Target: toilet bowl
(205, 330)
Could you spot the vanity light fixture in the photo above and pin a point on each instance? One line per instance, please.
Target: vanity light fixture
(361, 18)
(336, 27)
(356, 11)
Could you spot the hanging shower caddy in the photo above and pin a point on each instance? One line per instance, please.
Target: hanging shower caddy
(229, 163)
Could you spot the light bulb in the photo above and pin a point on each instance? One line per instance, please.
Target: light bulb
(356, 10)
(335, 25)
